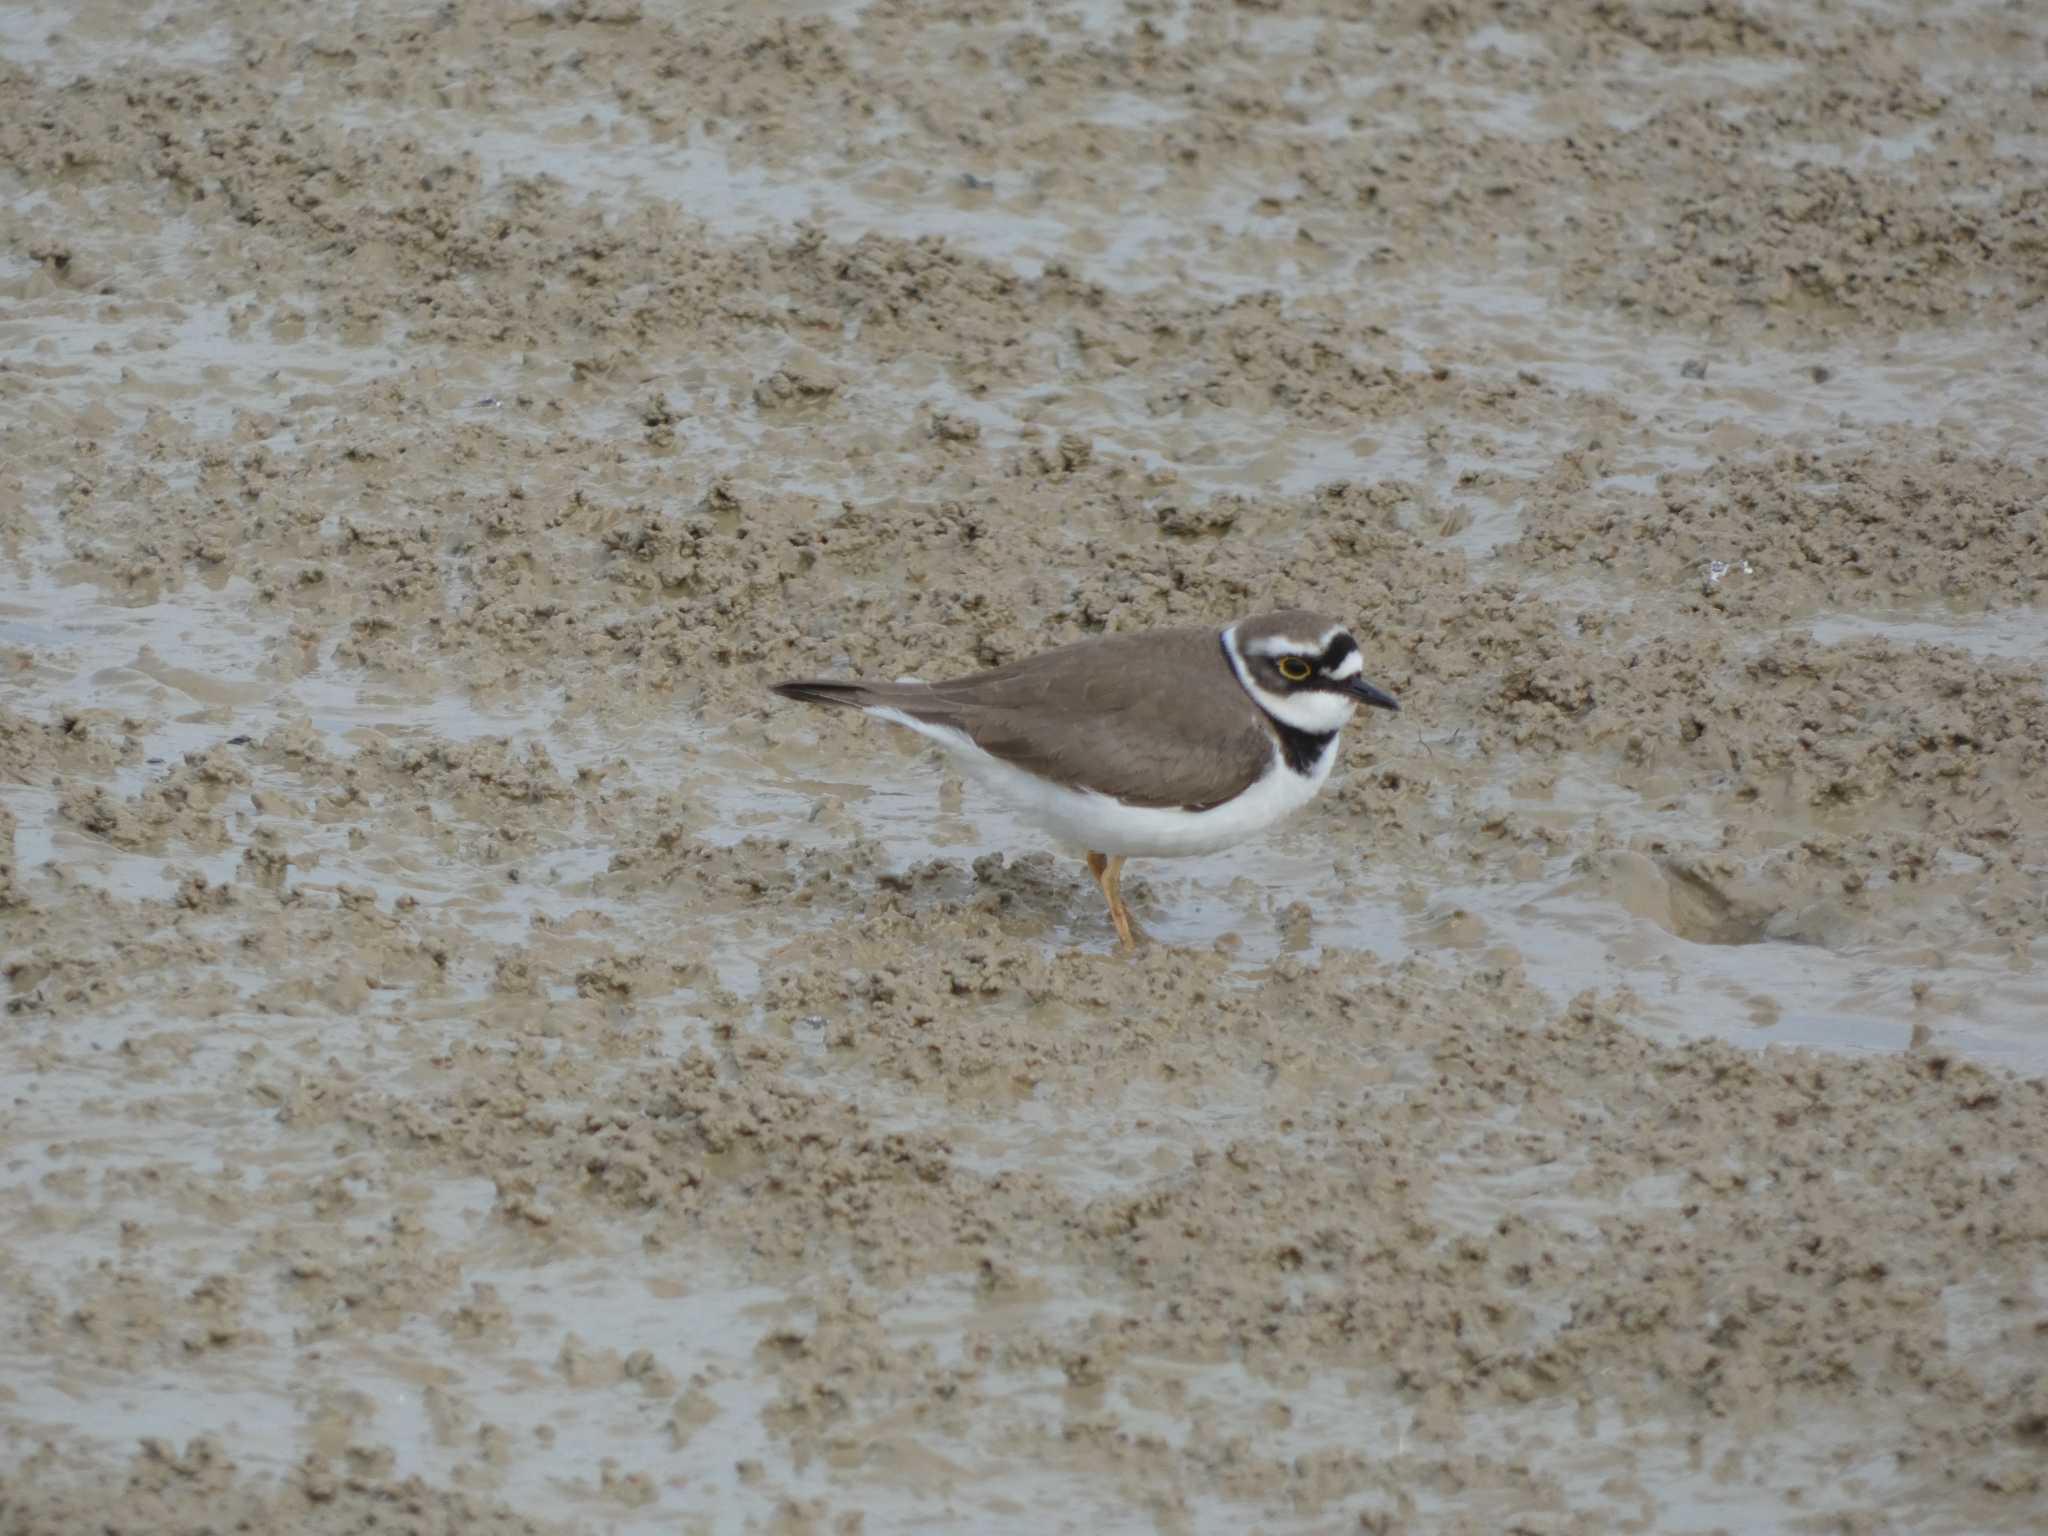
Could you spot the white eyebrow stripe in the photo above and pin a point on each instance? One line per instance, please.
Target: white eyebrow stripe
(1350, 666)
(1280, 645)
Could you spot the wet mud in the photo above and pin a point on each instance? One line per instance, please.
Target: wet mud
(474, 1061)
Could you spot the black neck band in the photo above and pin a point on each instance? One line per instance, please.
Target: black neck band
(1302, 749)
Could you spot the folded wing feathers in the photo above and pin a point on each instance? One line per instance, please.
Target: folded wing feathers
(1092, 729)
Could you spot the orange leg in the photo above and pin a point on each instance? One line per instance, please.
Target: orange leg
(1108, 873)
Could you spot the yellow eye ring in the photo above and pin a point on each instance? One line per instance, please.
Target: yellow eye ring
(1294, 669)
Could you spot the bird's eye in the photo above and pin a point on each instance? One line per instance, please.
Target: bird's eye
(1294, 669)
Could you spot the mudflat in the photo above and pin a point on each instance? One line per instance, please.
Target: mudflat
(474, 1061)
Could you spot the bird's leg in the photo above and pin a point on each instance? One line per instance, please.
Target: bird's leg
(1108, 873)
(1112, 887)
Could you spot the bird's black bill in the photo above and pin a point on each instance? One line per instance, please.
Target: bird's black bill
(1363, 691)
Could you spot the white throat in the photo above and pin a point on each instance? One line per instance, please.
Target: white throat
(1317, 712)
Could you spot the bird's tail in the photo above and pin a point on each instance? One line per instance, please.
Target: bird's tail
(825, 691)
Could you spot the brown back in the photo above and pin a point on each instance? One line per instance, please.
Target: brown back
(1156, 719)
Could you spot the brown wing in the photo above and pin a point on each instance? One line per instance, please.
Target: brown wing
(1155, 720)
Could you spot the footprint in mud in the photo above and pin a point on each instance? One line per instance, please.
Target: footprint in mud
(1705, 900)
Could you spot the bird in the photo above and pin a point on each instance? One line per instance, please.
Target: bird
(1160, 744)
